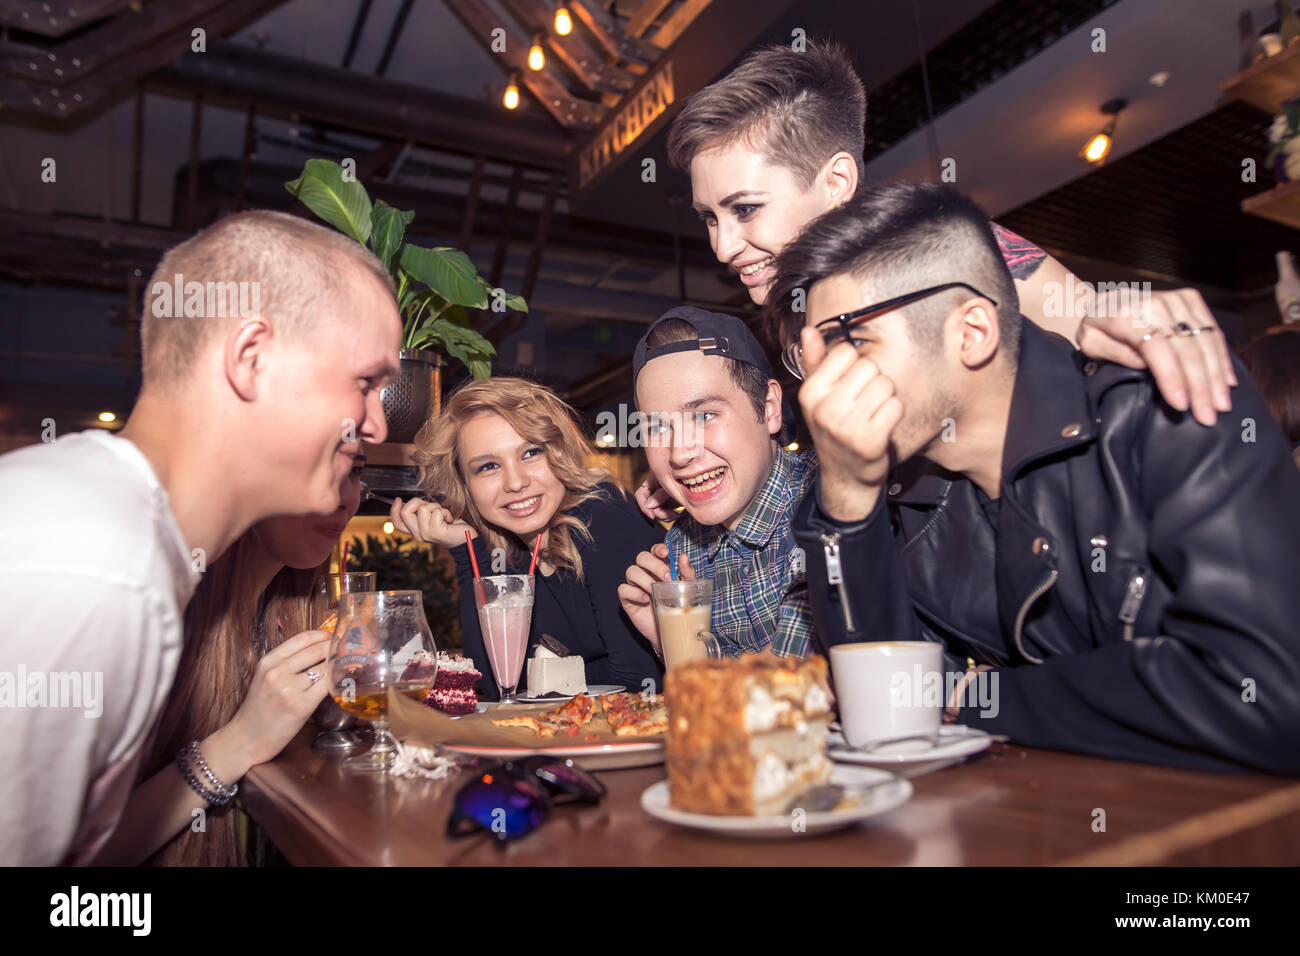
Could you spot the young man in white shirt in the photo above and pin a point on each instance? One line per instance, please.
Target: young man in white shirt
(103, 538)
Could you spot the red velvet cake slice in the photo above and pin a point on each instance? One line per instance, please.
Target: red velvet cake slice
(453, 689)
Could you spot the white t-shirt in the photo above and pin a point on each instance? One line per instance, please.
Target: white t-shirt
(95, 576)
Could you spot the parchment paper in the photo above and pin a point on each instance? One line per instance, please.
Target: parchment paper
(426, 726)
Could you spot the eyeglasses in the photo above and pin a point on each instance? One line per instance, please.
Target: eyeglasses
(513, 798)
(836, 330)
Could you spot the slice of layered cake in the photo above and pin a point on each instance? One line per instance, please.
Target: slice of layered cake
(746, 735)
(553, 670)
(453, 688)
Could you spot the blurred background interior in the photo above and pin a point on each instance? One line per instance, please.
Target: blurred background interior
(554, 200)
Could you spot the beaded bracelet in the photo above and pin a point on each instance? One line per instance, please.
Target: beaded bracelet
(222, 795)
(197, 756)
(182, 761)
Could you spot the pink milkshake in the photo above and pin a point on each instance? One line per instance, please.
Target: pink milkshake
(505, 613)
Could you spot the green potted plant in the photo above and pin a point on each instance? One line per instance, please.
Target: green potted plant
(434, 288)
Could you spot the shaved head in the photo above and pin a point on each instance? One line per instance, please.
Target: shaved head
(259, 262)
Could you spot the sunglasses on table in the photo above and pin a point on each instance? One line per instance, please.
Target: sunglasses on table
(837, 329)
(514, 797)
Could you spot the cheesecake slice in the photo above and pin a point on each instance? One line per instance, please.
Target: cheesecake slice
(551, 673)
(746, 735)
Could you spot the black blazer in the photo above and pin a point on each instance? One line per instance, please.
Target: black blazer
(584, 615)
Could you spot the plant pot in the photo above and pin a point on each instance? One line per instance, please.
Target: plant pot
(414, 396)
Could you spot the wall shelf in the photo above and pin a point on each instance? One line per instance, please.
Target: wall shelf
(1269, 82)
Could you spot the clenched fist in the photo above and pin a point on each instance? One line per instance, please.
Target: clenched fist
(851, 411)
(429, 522)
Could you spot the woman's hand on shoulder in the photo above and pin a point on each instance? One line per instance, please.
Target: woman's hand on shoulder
(429, 521)
(1175, 335)
(655, 503)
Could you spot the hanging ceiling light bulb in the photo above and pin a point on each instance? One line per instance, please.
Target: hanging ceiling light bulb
(511, 98)
(563, 22)
(536, 58)
(1098, 147)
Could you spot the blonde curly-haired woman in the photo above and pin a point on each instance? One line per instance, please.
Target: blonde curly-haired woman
(510, 461)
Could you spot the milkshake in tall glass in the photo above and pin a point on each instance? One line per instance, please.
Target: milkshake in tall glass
(505, 614)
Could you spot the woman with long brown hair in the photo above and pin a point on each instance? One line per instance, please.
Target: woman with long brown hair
(241, 691)
(510, 461)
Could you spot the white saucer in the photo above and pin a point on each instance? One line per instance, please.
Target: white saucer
(781, 826)
(956, 743)
(595, 690)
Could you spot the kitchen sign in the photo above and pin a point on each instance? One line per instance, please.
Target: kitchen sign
(632, 119)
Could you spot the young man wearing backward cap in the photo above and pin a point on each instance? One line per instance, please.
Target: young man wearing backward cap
(715, 424)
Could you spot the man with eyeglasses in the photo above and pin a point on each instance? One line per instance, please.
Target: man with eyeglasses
(1129, 574)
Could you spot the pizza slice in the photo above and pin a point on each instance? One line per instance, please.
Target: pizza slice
(569, 718)
(528, 721)
(575, 714)
(635, 715)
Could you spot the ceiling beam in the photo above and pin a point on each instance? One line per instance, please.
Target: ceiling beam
(358, 25)
(78, 57)
(593, 72)
(231, 74)
(395, 34)
(32, 16)
(77, 249)
(645, 16)
(67, 84)
(569, 111)
(677, 23)
(616, 42)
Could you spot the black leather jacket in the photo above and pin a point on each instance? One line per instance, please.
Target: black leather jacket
(1140, 598)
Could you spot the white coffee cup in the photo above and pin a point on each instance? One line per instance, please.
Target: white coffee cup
(887, 690)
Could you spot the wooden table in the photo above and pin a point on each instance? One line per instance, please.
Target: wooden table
(1008, 806)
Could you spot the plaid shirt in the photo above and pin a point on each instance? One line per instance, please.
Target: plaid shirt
(760, 595)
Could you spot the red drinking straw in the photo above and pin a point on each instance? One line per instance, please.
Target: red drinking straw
(537, 546)
(473, 559)
(343, 561)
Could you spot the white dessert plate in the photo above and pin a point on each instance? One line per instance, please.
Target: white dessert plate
(614, 755)
(956, 743)
(595, 690)
(882, 799)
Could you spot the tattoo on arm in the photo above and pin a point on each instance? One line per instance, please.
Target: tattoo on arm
(1021, 255)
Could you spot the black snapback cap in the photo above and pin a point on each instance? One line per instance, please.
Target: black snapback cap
(719, 334)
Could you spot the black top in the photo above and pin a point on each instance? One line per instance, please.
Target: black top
(990, 506)
(583, 615)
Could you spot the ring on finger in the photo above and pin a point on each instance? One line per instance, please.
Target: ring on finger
(313, 676)
(1183, 329)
